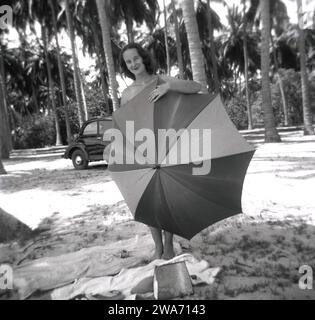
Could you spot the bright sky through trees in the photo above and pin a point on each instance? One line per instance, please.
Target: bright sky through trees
(86, 62)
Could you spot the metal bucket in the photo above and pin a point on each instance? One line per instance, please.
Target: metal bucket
(172, 280)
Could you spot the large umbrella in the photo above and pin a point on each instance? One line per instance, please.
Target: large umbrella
(163, 189)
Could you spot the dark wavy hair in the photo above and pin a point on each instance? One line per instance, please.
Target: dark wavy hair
(144, 54)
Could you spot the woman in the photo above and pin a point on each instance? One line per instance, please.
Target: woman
(137, 64)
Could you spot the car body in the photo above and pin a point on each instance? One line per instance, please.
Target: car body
(89, 145)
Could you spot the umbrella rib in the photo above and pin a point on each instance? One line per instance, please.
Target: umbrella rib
(188, 122)
(167, 204)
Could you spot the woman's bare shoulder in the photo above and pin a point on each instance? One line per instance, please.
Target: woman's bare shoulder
(125, 96)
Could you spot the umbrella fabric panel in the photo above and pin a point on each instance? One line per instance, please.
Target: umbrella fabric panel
(153, 209)
(225, 139)
(184, 204)
(139, 110)
(176, 111)
(125, 156)
(132, 185)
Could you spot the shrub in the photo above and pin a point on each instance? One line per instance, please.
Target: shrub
(36, 131)
(236, 109)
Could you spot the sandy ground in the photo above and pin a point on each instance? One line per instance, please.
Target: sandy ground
(259, 252)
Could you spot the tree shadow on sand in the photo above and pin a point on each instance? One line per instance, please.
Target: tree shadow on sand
(260, 258)
(55, 179)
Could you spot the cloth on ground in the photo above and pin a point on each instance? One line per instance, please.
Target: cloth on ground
(127, 279)
(48, 273)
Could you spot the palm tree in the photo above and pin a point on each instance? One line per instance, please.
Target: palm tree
(208, 21)
(178, 41)
(155, 43)
(139, 11)
(245, 49)
(2, 170)
(166, 42)
(4, 132)
(4, 113)
(5, 126)
(307, 114)
(232, 46)
(108, 53)
(51, 85)
(89, 30)
(196, 56)
(76, 70)
(279, 20)
(271, 134)
(61, 73)
(39, 10)
(280, 83)
(212, 48)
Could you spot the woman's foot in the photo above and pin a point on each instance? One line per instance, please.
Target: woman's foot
(157, 254)
(168, 253)
(157, 238)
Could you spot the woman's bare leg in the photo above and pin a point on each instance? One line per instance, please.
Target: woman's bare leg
(157, 238)
(168, 252)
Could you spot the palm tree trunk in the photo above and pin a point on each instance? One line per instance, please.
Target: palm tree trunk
(5, 93)
(178, 43)
(108, 53)
(4, 127)
(168, 65)
(284, 102)
(245, 49)
(307, 113)
(196, 55)
(51, 87)
(212, 51)
(271, 134)
(61, 75)
(2, 170)
(5, 152)
(86, 112)
(129, 25)
(5, 124)
(35, 97)
(101, 64)
(75, 64)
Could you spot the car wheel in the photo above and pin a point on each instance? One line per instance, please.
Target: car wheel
(79, 160)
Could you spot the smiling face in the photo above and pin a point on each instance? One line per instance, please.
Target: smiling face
(134, 61)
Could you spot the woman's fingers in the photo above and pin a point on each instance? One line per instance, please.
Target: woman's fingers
(154, 95)
(157, 93)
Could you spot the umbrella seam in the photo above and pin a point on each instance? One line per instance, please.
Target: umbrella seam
(167, 205)
(188, 123)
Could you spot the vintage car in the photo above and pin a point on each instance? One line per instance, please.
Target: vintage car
(89, 144)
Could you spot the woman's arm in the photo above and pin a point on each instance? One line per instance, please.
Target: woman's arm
(174, 84)
(182, 86)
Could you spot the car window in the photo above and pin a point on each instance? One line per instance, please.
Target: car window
(104, 125)
(90, 129)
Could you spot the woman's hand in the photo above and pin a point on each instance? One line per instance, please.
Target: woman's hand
(159, 92)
